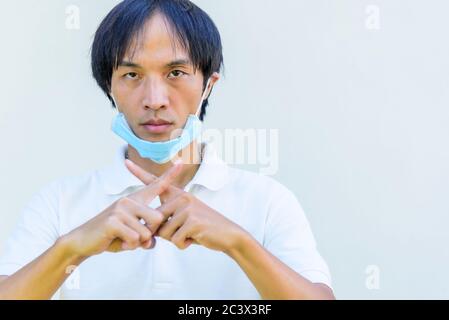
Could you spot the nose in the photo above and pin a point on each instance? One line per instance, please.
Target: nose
(155, 94)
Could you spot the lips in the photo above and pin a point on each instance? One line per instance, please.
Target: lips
(157, 122)
(157, 126)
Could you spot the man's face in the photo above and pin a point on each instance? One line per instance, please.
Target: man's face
(157, 83)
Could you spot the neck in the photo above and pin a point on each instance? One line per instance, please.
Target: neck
(190, 156)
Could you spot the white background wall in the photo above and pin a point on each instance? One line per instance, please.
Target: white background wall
(363, 118)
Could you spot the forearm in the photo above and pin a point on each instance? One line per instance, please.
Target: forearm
(41, 278)
(272, 278)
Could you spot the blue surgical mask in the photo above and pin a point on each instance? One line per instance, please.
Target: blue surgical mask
(163, 151)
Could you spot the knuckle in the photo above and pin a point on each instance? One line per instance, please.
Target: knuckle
(176, 242)
(125, 201)
(163, 184)
(135, 236)
(112, 225)
(186, 197)
(112, 220)
(179, 243)
(193, 220)
(163, 234)
(134, 240)
(146, 235)
(120, 216)
(159, 217)
(122, 202)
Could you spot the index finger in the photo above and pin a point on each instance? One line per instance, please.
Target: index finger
(148, 178)
(158, 186)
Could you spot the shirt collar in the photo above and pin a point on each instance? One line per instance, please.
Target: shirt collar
(212, 174)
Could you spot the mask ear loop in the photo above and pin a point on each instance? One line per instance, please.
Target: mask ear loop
(115, 103)
(197, 113)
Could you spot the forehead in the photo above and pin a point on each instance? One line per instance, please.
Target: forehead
(156, 43)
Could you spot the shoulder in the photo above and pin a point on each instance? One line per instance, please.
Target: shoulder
(68, 184)
(258, 184)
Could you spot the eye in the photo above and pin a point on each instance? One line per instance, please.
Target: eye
(176, 74)
(131, 75)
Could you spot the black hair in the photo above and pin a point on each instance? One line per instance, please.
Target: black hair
(193, 27)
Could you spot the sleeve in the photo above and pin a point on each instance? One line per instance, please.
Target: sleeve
(35, 232)
(288, 236)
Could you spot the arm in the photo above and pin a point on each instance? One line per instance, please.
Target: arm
(192, 221)
(271, 277)
(41, 278)
(117, 228)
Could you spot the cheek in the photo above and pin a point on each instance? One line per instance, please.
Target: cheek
(188, 99)
(124, 97)
(120, 91)
(182, 109)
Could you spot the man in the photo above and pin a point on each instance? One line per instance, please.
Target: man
(169, 219)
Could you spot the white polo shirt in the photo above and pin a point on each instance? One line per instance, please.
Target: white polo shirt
(265, 208)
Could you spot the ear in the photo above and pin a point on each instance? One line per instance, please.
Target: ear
(213, 79)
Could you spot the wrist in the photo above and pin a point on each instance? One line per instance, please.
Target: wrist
(239, 243)
(66, 246)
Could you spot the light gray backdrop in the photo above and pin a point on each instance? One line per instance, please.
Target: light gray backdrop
(359, 91)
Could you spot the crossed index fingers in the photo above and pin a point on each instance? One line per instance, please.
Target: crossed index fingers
(155, 185)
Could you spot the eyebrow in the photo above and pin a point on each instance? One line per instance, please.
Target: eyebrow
(129, 64)
(174, 63)
(177, 63)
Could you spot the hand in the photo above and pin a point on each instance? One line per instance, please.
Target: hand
(118, 227)
(188, 220)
